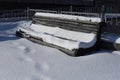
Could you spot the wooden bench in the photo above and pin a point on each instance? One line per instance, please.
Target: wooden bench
(70, 25)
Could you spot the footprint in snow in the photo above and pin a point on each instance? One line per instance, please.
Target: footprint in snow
(43, 67)
(31, 78)
(19, 46)
(15, 43)
(26, 59)
(23, 48)
(28, 51)
(40, 77)
(43, 77)
(34, 78)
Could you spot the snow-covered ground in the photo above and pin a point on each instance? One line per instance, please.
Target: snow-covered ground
(21, 59)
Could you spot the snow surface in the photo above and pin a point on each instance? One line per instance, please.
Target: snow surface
(55, 35)
(69, 17)
(21, 59)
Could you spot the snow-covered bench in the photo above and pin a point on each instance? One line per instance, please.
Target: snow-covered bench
(75, 35)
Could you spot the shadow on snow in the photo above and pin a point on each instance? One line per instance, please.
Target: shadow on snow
(6, 38)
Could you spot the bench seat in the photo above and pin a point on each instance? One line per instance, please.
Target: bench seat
(64, 38)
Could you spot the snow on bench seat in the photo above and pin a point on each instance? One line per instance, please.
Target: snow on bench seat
(56, 31)
(61, 37)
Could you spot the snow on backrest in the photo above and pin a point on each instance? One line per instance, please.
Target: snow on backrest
(69, 17)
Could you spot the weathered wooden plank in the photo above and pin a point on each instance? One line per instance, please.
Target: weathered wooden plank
(75, 26)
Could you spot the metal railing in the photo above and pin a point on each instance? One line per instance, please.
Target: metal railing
(26, 14)
(112, 19)
(68, 12)
(108, 9)
(18, 14)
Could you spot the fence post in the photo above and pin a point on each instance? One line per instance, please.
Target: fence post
(71, 9)
(28, 13)
(102, 14)
(105, 18)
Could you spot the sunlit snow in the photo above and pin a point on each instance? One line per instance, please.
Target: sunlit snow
(21, 59)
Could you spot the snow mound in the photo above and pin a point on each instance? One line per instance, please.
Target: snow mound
(111, 38)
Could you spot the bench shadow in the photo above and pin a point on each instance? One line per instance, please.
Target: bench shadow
(7, 38)
(7, 30)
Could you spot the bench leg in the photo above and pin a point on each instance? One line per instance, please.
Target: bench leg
(80, 52)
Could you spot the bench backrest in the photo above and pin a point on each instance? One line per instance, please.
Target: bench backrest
(69, 25)
(74, 25)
